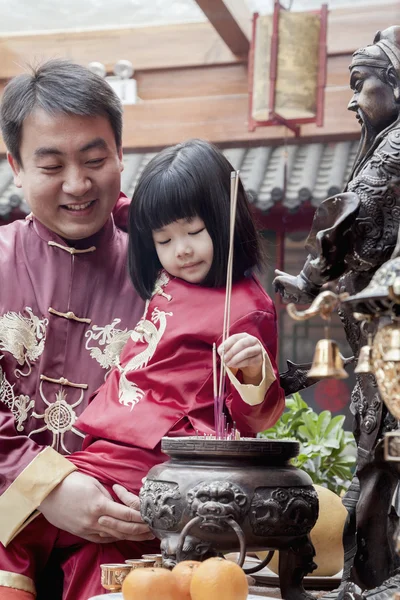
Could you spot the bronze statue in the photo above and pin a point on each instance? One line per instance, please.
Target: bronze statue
(381, 301)
(352, 235)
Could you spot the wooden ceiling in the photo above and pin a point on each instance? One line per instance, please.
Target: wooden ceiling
(192, 78)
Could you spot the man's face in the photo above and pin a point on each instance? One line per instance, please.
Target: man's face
(70, 172)
(373, 100)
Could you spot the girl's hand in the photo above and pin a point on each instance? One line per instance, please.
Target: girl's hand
(243, 351)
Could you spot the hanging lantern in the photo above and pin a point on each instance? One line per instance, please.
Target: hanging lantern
(287, 68)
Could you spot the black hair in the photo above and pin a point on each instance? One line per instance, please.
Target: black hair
(57, 86)
(181, 182)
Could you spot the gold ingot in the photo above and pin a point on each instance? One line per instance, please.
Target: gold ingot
(327, 363)
(364, 363)
(392, 352)
(113, 575)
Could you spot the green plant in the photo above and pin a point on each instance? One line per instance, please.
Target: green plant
(327, 452)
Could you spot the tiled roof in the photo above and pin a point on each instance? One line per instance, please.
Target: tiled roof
(313, 172)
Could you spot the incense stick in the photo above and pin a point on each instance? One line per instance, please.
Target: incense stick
(231, 249)
(215, 391)
(228, 290)
(215, 370)
(219, 416)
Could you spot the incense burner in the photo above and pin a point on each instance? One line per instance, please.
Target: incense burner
(217, 496)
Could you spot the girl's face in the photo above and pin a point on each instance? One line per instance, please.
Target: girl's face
(185, 249)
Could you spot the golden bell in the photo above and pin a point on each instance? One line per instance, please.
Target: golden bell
(393, 348)
(364, 363)
(327, 361)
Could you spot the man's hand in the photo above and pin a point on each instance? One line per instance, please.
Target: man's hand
(83, 507)
(244, 351)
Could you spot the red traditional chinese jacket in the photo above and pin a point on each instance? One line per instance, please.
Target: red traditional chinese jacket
(163, 382)
(65, 314)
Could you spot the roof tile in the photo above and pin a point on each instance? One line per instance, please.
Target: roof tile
(313, 172)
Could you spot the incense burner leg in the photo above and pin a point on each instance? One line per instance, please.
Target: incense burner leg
(193, 549)
(294, 565)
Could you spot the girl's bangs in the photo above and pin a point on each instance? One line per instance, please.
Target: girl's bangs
(167, 201)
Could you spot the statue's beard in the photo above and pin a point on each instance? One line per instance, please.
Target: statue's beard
(368, 132)
(368, 135)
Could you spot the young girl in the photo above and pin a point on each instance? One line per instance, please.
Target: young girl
(163, 382)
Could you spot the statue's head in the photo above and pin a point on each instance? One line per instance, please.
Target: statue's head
(375, 80)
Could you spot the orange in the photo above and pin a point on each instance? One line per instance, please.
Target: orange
(183, 572)
(219, 579)
(150, 584)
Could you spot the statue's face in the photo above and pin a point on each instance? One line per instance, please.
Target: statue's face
(373, 99)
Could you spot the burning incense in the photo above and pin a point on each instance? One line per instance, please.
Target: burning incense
(221, 431)
(215, 392)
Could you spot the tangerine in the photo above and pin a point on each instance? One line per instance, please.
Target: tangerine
(150, 584)
(183, 572)
(219, 579)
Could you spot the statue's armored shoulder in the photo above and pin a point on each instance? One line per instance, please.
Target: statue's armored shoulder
(391, 142)
(382, 167)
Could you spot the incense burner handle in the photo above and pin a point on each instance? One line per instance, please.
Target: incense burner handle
(229, 521)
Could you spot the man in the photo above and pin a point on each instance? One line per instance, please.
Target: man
(352, 235)
(66, 303)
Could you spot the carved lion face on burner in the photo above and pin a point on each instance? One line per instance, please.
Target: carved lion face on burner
(192, 549)
(215, 503)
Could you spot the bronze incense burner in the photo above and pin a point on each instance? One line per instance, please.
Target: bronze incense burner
(216, 496)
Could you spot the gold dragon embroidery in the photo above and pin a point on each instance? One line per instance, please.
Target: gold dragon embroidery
(145, 332)
(111, 338)
(19, 405)
(23, 337)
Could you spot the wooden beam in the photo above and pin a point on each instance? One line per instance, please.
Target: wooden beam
(355, 27)
(218, 80)
(177, 46)
(163, 47)
(224, 21)
(242, 15)
(223, 120)
(212, 102)
(214, 80)
(151, 125)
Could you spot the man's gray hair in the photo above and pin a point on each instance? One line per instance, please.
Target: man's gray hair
(57, 86)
